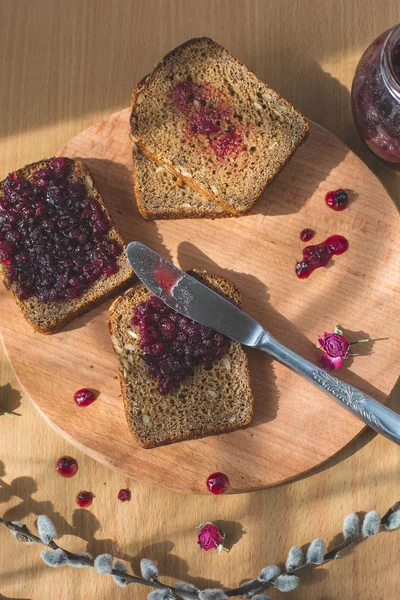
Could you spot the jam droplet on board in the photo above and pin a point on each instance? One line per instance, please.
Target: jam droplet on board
(124, 495)
(318, 256)
(217, 483)
(84, 397)
(66, 466)
(84, 499)
(307, 234)
(337, 199)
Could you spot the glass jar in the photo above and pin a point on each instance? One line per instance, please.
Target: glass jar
(375, 96)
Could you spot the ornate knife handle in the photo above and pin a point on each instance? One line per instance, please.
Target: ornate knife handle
(373, 413)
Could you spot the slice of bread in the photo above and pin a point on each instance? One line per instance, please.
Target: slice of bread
(220, 128)
(51, 316)
(211, 401)
(160, 194)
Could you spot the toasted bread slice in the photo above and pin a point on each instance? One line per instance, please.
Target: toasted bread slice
(211, 401)
(160, 194)
(220, 128)
(48, 317)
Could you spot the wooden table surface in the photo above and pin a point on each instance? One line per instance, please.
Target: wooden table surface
(63, 65)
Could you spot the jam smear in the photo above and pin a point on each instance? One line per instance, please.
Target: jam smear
(124, 495)
(337, 199)
(209, 114)
(217, 483)
(66, 466)
(84, 397)
(165, 278)
(307, 234)
(54, 237)
(319, 255)
(174, 345)
(84, 499)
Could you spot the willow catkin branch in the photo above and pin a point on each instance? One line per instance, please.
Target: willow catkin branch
(331, 555)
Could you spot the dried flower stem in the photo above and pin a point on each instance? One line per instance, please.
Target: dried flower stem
(240, 591)
(331, 555)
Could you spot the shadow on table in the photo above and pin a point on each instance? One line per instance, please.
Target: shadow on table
(84, 524)
(10, 399)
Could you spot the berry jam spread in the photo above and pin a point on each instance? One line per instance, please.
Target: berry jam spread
(209, 114)
(375, 96)
(217, 483)
(124, 495)
(66, 466)
(53, 236)
(306, 235)
(337, 200)
(84, 397)
(84, 499)
(318, 256)
(174, 345)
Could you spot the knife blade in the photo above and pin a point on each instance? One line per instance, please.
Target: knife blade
(193, 299)
(190, 297)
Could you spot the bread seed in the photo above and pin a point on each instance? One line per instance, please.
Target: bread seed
(232, 420)
(130, 359)
(211, 394)
(130, 347)
(160, 170)
(271, 146)
(133, 334)
(146, 420)
(227, 363)
(214, 190)
(257, 106)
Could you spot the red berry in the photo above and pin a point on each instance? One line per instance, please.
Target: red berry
(306, 235)
(124, 495)
(84, 397)
(84, 499)
(217, 483)
(66, 466)
(337, 199)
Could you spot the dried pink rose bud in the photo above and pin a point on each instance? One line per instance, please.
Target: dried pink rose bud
(211, 537)
(335, 347)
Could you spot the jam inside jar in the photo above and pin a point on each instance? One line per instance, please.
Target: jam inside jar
(375, 96)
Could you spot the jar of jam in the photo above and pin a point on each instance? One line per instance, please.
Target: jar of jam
(375, 96)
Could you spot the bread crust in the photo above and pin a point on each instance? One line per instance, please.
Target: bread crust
(162, 160)
(91, 297)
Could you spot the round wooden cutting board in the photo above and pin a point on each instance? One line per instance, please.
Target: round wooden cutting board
(296, 427)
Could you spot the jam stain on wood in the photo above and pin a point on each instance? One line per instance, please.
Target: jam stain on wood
(318, 256)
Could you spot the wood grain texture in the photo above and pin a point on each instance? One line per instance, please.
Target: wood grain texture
(296, 427)
(55, 85)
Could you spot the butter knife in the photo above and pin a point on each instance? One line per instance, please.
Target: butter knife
(189, 297)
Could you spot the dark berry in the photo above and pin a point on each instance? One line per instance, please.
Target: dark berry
(124, 495)
(174, 345)
(217, 483)
(84, 499)
(66, 466)
(84, 397)
(337, 199)
(48, 237)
